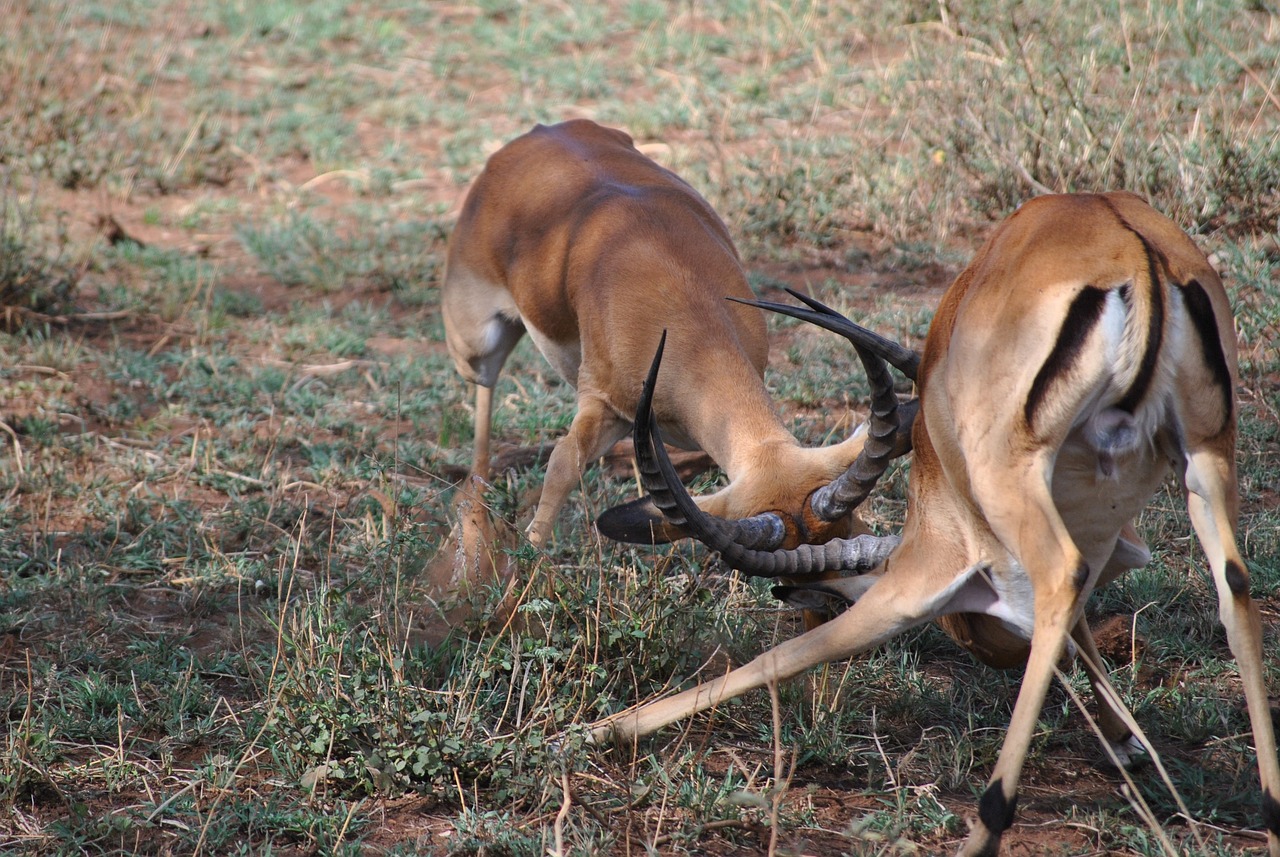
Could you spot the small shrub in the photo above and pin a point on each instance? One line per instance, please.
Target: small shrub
(32, 277)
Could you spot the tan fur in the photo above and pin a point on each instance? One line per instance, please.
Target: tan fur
(1012, 521)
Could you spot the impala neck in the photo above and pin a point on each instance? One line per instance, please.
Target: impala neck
(737, 426)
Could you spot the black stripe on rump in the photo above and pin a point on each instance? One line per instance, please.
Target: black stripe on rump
(1155, 324)
(1082, 318)
(1155, 331)
(1206, 325)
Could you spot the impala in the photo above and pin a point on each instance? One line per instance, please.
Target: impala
(572, 234)
(1086, 350)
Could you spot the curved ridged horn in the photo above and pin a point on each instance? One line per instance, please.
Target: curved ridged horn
(843, 494)
(899, 356)
(765, 531)
(660, 479)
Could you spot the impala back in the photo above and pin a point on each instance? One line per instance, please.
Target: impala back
(595, 251)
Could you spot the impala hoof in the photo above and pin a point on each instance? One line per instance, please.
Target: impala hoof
(1130, 753)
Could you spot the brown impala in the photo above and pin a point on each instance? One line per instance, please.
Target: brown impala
(1107, 339)
(573, 235)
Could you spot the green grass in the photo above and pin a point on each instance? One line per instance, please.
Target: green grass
(229, 435)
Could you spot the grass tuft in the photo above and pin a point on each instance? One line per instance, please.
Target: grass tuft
(36, 275)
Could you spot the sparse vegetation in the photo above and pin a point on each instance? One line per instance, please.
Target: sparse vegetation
(229, 431)
(35, 275)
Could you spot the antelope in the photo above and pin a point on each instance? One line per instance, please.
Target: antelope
(572, 234)
(1108, 342)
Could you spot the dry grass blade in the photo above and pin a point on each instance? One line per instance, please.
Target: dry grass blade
(1131, 792)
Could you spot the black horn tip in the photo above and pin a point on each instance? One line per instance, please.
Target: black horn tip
(812, 302)
(644, 408)
(657, 359)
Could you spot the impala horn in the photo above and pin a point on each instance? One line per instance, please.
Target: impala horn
(660, 479)
(889, 431)
(765, 531)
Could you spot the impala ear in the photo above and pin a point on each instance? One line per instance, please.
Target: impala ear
(638, 522)
(830, 595)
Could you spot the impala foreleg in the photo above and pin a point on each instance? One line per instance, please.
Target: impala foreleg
(884, 612)
(481, 326)
(1113, 720)
(594, 430)
(484, 423)
(1210, 480)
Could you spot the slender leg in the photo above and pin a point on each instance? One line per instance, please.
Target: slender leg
(1211, 500)
(1025, 519)
(595, 428)
(481, 327)
(996, 808)
(1115, 730)
(908, 595)
(484, 420)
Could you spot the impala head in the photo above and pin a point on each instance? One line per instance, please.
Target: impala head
(792, 496)
(773, 512)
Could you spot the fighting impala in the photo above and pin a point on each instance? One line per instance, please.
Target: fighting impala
(1086, 350)
(572, 234)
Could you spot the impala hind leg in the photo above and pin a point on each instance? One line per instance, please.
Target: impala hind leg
(1211, 500)
(1112, 722)
(1027, 522)
(998, 804)
(595, 428)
